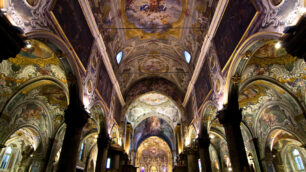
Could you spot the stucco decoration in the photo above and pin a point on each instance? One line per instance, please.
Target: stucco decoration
(153, 63)
(154, 153)
(29, 15)
(38, 61)
(279, 14)
(168, 27)
(153, 104)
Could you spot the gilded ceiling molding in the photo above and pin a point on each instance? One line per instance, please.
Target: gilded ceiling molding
(205, 47)
(101, 47)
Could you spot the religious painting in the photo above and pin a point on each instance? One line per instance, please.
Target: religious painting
(30, 114)
(202, 85)
(235, 21)
(153, 65)
(55, 95)
(153, 126)
(74, 25)
(105, 85)
(104, 18)
(271, 117)
(153, 17)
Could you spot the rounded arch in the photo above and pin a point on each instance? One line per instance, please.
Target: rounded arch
(156, 84)
(241, 58)
(61, 45)
(152, 150)
(208, 113)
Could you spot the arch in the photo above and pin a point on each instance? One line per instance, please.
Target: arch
(60, 44)
(156, 84)
(208, 114)
(239, 61)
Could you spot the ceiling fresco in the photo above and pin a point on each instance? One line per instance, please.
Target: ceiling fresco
(153, 104)
(152, 17)
(165, 27)
(153, 126)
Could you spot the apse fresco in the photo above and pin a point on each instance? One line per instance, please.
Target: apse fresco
(235, 21)
(72, 21)
(153, 15)
(153, 126)
(105, 85)
(202, 85)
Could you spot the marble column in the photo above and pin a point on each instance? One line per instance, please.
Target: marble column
(75, 118)
(230, 117)
(204, 143)
(192, 160)
(103, 146)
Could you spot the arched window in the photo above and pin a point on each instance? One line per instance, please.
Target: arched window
(119, 57)
(187, 56)
(298, 160)
(6, 158)
(164, 169)
(81, 151)
(108, 163)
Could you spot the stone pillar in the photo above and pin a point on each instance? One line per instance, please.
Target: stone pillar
(192, 160)
(230, 118)
(117, 161)
(204, 143)
(103, 146)
(75, 118)
(267, 161)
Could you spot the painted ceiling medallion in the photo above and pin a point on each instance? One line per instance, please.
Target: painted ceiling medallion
(153, 99)
(153, 65)
(153, 15)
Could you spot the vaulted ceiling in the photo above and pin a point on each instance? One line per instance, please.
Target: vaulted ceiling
(153, 35)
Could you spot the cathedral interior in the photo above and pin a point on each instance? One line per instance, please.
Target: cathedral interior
(152, 85)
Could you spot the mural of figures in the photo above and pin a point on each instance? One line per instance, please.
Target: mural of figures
(272, 116)
(153, 15)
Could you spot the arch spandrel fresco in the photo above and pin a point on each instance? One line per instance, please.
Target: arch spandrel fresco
(37, 61)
